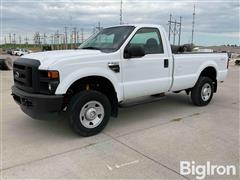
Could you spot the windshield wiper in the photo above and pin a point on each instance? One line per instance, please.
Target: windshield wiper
(91, 47)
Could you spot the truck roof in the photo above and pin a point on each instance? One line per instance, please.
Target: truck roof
(138, 25)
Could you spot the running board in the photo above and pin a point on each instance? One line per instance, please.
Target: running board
(141, 101)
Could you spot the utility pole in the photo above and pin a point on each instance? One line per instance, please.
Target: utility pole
(44, 39)
(52, 39)
(57, 37)
(82, 38)
(174, 31)
(66, 38)
(14, 39)
(169, 28)
(121, 6)
(20, 39)
(99, 26)
(10, 38)
(180, 31)
(71, 40)
(193, 23)
(74, 37)
(177, 28)
(26, 40)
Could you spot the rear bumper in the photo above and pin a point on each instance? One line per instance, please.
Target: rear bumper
(33, 104)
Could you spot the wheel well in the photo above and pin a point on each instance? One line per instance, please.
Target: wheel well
(97, 83)
(211, 73)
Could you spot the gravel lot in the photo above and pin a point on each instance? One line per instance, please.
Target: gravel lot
(145, 141)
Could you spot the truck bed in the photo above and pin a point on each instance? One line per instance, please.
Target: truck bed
(186, 73)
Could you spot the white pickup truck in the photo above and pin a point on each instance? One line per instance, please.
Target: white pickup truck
(117, 64)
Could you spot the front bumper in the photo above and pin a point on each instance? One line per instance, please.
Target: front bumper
(36, 104)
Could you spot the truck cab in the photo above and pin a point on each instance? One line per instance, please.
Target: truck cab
(116, 64)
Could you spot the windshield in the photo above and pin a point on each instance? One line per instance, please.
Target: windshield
(109, 39)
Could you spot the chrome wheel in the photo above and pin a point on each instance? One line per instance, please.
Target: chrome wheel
(206, 92)
(92, 114)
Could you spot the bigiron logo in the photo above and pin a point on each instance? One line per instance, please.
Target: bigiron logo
(200, 171)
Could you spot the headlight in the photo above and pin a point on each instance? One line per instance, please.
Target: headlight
(49, 81)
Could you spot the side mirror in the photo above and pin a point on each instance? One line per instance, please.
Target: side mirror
(134, 52)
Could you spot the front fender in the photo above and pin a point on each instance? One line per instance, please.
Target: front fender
(69, 79)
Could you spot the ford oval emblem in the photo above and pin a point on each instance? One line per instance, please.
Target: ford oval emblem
(16, 74)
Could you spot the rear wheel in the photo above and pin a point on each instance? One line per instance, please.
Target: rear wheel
(202, 92)
(89, 112)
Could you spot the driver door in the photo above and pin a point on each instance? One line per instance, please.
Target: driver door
(149, 74)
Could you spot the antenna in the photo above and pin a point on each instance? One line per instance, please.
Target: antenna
(193, 23)
(121, 5)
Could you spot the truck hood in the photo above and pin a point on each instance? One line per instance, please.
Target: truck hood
(50, 57)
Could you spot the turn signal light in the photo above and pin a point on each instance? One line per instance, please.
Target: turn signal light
(53, 74)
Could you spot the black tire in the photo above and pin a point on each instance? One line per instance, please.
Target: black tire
(196, 92)
(78, 102)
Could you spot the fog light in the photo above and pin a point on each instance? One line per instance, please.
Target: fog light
(49, 87)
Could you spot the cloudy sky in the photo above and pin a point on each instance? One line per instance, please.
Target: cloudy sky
(217, 21)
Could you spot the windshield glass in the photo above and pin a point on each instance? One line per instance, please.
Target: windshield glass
(109, 39)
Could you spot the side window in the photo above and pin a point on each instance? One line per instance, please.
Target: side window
(149, 39)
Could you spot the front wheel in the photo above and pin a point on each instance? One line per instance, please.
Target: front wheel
(89, 112)
(202, 92)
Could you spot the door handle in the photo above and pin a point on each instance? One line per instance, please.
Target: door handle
(166, 63)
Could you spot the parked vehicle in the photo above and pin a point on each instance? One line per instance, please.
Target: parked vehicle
(117, 64)
(9, 51)
(20, 52)
(237, 60)
(6, 63)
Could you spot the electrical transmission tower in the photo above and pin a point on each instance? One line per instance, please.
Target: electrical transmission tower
(10, 38)
(26, 40)
(20, 39)
(121, 6)
(75, 37)
(193, 23)
(14, 38)
(175, 28)
(82, 35)
(44, 39)
(66, 38)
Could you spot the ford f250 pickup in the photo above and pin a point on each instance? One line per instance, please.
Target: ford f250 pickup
(116, 64)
